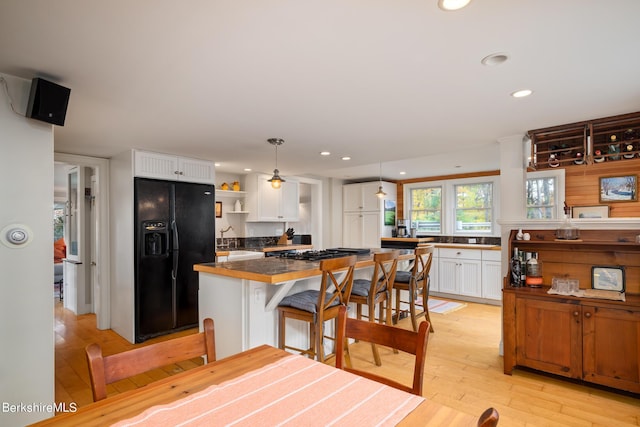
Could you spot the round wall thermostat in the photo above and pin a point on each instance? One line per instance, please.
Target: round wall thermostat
(16, 235)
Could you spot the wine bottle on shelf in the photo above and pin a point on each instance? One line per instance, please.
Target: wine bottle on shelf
(553, 161)
(614, 148)
(579, 158)
(516, 269)
(628, 151)
(598, 157)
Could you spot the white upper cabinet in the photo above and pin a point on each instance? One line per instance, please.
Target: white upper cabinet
(268, 204)
(362, 197)
(174, 168)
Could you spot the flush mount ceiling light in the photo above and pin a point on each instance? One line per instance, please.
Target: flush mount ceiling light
(276, 181)
(522, 93)
(325, 153)
(495, 59)
(346, 158)
(380, 193)
(451, 5)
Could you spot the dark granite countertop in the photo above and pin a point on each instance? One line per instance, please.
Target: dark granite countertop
(277, 270)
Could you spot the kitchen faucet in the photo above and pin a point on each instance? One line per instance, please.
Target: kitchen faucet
(224, 231)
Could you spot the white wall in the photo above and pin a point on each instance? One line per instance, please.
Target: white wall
(26, 284)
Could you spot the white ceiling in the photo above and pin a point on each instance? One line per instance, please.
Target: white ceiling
(392, 81)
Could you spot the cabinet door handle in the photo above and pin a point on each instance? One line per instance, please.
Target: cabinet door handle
(576, 314)
(587, 315)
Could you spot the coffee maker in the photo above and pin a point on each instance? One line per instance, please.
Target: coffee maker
(401, 228)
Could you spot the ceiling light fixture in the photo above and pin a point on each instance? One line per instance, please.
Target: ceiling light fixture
(276, 181)
(325, 153)
(380, 193)
(494, 59)
(522, 93)
(346, 158)
(451, 5)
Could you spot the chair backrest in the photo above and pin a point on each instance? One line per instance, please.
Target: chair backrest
(105, 370)
(422, 264)
(332, 290)
(402, 339)
(384, 272)
(489, 418)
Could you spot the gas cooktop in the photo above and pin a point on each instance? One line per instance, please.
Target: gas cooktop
(324, 254)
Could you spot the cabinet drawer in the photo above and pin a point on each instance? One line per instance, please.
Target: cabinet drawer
(492, 255)
(459, 253)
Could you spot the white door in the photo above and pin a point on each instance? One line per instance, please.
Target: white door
(95, 242)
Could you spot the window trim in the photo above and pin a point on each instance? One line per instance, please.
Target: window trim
(559, 175)
(449, 204)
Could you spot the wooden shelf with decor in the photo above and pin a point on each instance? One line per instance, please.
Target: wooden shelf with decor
(586, 143)
(574, 336)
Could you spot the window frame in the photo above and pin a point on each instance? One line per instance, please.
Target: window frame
(448, 205)
(559, 176)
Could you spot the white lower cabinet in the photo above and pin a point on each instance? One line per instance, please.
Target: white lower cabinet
(459, 271)
(492, 275)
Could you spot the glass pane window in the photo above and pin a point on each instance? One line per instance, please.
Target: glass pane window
(474, 207)
(426, 209)
(541, 198)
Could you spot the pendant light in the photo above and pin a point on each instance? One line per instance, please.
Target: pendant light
(276, 181)
(380, 193)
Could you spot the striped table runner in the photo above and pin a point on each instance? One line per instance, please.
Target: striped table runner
(294, 391)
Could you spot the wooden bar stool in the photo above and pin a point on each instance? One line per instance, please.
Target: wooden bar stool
(318, 306)
(377, 291)
(415, 282)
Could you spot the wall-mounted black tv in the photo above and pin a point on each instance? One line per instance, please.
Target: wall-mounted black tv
(48, 101)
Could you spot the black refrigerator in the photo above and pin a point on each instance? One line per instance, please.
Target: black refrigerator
(175, 229)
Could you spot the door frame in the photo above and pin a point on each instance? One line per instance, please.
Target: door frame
(103, 263)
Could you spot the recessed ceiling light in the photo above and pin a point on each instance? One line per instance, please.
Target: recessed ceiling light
(325, 153)
(247, 169)
(495, 59)
(346, 158)
(216, 165)
(403, 173)
(450, 5)
(522, 93)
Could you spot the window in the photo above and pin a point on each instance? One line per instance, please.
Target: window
(426, 209)
(474, 207)
(543, 192)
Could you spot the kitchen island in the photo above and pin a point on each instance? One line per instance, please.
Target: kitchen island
(242, 296)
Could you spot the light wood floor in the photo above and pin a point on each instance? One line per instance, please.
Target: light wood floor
(463, 370)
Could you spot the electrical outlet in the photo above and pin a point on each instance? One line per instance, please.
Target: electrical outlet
(472, 240)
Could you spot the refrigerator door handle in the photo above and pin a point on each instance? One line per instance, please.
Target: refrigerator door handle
(176, 248)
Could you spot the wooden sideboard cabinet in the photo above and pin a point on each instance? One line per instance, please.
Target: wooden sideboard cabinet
(593, 340)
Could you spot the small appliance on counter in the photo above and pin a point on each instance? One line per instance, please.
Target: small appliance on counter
(401, 229)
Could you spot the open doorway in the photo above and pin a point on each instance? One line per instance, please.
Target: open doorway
(86, 281)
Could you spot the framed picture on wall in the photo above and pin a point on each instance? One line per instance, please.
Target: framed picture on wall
(218, 209)
(619, 189)
(596, 211)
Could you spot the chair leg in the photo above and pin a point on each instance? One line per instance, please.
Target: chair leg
(412, 307)
(388, 318)
(397, 306)
(372, 318)
(319, 342)
(281, 326)
(425, 307)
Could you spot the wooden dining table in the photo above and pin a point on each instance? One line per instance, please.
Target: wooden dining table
(171, 393)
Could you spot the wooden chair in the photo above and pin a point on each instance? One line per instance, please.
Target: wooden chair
(105, 370)
(489, 418)
(416, 282)
(318, 306)
(408, 341)
(376, 291)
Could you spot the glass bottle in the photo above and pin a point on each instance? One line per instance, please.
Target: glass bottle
(598, 157)
(534, 272)
(614, 148)
(553, 161)
(516, 269)
(579, 158)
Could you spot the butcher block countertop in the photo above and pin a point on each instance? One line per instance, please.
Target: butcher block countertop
(407, 239)
(277, 270)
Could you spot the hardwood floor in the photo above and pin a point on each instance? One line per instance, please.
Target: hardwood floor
(463, 370)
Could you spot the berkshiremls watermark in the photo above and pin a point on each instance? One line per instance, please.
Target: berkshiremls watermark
(58, 407)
